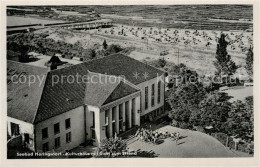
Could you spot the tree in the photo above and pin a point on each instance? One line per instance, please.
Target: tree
(158, 63)
(184, 100)
(224, 64)
(162, 62)
(250, 62)
(105, 44)
(114, 48)
(92, 53)
(213, 111)
(180, 74)
(112, 146)
(185, 94)
(240, 119)
(24, 50)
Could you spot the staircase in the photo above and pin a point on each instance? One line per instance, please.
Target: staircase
(129, 136)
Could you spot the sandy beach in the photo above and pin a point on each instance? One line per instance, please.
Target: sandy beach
(196, 48)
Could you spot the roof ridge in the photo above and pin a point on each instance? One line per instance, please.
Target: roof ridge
(141, 62)
(117, 83)
(105, 74)
(121, 54)
(24, 64)
(130, 83)
(69, 67)
(111, 93)
(33, 121)
(122, 81)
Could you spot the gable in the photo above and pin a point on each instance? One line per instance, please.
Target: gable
(120, 91)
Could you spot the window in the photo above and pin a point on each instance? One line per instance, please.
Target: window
(159, 92)
(15, 129)
(93, 113)
(26, 138)
(57, 142)
(56, 128)
(146, 97)
(68, 137)
(67, 123)
(152, 98)
(44, 133)
(45, 147)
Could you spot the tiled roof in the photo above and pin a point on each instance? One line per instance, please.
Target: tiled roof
(121, 65)
(58, 94)
(98, 89)
(107, 90)
(23, 99)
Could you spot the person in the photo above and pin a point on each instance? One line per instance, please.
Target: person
(177, 137)
(137, 132)
(172, 135)
(154, 140)
(166, 133)
(140, 135)
(156, 134)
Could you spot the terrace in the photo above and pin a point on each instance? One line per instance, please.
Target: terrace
(191, 144)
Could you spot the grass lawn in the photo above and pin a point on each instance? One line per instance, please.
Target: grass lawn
(192, 144)
(239, 93)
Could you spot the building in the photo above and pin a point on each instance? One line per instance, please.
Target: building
(108, 96)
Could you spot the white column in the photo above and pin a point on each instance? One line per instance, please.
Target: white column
(98, 127)
(117, 119)
(110, 123)
(123, 114)
(130, 114)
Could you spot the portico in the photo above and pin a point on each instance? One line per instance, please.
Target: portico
(114, 111)
(120, 116)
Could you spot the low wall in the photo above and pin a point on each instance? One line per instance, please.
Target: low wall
(228, 142)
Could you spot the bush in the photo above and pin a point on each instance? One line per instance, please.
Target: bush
(222, 137)
(200, 129)
(27, 42)
(114, 49)
(242, 147)
(174, 123)
(231, 143)
(183, 125)
(112, 146)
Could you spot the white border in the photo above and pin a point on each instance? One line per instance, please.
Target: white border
(130, 161)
